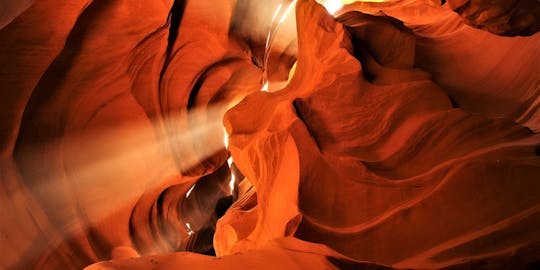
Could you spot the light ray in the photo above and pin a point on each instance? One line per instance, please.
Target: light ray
(189, 230)
(190, 190)
(90, 177)
(285, 14)
(332, 6)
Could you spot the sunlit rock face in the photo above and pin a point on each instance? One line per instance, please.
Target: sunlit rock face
(399, 134)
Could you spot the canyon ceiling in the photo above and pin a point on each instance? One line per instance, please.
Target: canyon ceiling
(266, 134)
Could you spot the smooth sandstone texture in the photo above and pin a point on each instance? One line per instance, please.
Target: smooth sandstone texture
(483, 73)
(374, 182)
(503, 17)
(97, 147)
(405, 138)
(286, 253)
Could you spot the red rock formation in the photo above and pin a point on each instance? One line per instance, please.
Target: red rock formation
(503, 17)
(288, 253)
(476, 77)
(391, 145)
(405, 137)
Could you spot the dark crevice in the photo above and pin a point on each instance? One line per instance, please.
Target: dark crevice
(161, 219)
(222, 205)
(301, 109)
(174, 20)
(453, 102)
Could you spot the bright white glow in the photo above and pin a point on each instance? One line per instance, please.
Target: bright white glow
(225, 138)
(287, 11)
(233, 177)
(114, 160)
(332, 6)
(264, 88)
(190, 190)
(231, 183)
(189, 230)
(278, 9)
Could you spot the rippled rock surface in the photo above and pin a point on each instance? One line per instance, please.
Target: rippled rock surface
(393, 135)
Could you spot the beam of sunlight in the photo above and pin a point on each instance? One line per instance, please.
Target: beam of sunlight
(287, 11)
(264, 88)
(232, 182)
(190, 190)
(346, 2)
(332, 6)
(99, 174)
(233, 177)
(188, 228)
(225, 139)
(271, 35)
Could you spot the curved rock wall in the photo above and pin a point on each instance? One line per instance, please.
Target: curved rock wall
(405, 137)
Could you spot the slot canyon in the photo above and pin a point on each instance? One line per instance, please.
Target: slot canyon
(269, 134)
